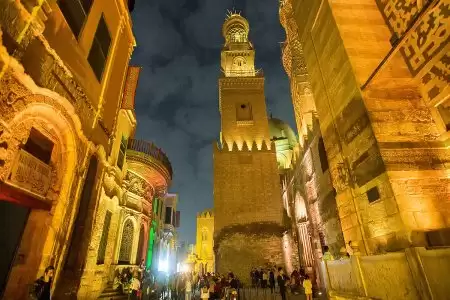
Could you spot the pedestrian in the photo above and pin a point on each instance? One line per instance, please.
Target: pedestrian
(281, 280)
(327, 254)
(188, 288)
(344, 254)
(204, 292)
(307, 285)
(349, 248)
(42, 287)
(135, 287)
(265, 277)
(271, 281)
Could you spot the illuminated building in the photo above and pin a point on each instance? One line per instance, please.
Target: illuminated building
(205, 243)
(375, 73)
(74, 185)
(247, 199)
(166, 241)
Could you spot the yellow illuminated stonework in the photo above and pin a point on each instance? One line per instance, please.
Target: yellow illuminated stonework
(247, 198)
(204, 247)
(64, 132)
(369, 85)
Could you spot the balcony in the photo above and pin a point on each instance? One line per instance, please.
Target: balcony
(30, 174)
(150, 163)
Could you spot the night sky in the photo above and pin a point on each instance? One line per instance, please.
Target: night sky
(178, 47)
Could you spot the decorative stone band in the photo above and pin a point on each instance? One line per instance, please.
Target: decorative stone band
(240, 82)
(262, 229)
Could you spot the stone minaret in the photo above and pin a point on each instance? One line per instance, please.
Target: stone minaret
(247, 195)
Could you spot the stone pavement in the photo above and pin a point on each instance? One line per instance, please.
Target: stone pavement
(261, 294)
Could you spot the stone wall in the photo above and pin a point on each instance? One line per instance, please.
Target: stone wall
(247, 201)
(383, 142)
(240, 252)
(416, 273)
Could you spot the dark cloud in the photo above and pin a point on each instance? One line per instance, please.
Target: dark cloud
(179, 46)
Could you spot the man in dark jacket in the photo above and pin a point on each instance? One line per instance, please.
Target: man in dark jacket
(281, 280)
(271, 281)
(43, 286)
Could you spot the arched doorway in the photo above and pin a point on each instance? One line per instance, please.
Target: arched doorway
(126, 243)
(140, 253)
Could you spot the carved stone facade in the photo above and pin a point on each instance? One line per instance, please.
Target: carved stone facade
(380, 89)
(59, 125)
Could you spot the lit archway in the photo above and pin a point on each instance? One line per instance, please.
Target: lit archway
(64, 133)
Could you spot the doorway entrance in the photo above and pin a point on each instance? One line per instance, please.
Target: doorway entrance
(13, 219)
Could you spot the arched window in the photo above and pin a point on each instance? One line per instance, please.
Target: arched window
(204, 235)
(126, 242)
(140, 254)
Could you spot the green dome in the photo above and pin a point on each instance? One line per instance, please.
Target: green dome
(279, 130)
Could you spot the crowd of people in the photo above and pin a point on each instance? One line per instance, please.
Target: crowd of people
(186, 286)
(271, 278)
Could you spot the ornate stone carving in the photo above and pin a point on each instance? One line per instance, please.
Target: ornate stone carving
(31, 174)
(428, 39)
(435, 81)
(3, 148)
(111, 183)
(138, 186)
(399, 14)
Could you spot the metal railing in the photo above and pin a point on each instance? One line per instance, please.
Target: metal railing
(152, 150)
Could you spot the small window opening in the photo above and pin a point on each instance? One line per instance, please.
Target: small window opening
(39, 146)
(122, 151)
(373, 194)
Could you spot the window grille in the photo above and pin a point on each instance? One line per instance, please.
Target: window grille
(126, 242)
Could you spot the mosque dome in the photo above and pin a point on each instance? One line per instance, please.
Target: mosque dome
(279, 130)
(284, 139)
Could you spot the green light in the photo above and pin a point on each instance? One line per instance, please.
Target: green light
(151, 241)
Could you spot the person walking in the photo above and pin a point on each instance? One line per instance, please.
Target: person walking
(271, 281)
(204, 292)
(327, 254)
(281, 280)
(307, 285)
(135, 287)
(43, 286)
(265, 277)
(188, 288)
